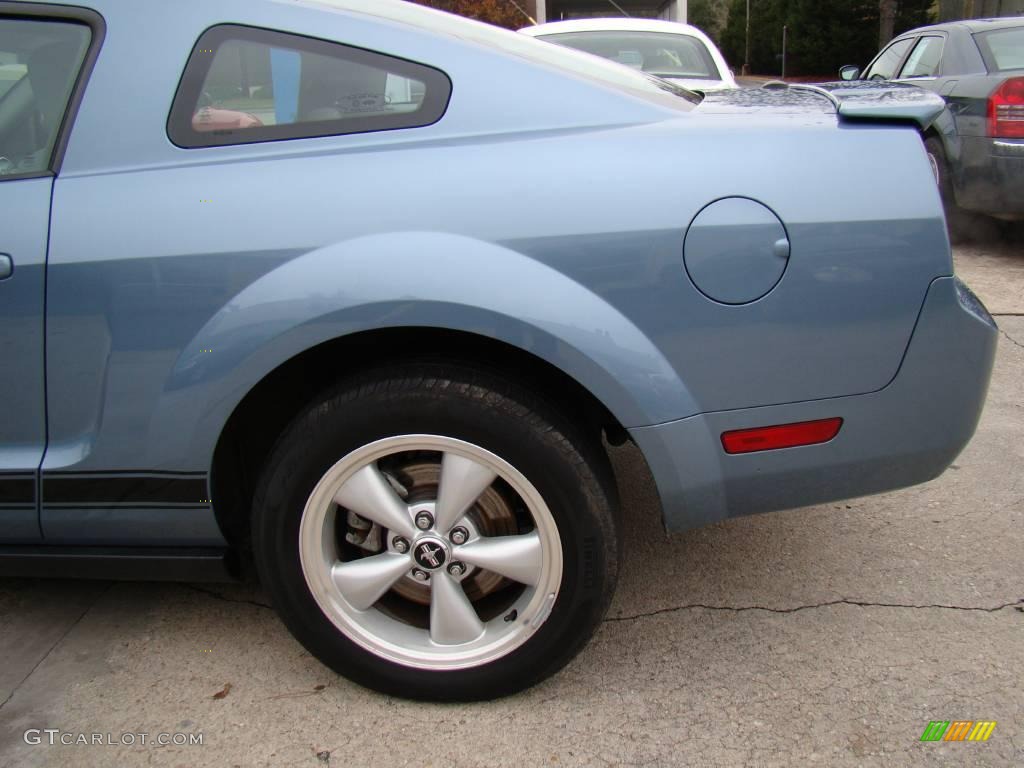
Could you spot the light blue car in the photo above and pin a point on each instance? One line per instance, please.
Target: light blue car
(358, 292)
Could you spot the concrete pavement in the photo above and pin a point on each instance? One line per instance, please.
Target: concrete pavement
(829, 635)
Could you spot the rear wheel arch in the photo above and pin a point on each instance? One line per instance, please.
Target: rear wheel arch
(251, 432)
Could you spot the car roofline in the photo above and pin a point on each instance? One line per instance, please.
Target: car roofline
(973, 26)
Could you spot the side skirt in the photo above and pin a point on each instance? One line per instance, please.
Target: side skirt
(119, 563)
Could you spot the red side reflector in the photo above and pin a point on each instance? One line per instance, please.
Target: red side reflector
(781, 436)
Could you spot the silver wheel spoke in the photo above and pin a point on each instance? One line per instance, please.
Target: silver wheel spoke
(364, 582)
(516, 557)
(453, 618)
(405, 599)
(462, 482)
(370, 495)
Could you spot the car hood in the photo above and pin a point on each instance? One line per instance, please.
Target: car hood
(851, 101)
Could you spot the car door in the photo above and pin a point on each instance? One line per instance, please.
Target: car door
(41, 58)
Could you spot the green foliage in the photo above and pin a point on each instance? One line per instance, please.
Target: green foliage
(766, 20)
(706, 16)
(823, 34)
(915, 13)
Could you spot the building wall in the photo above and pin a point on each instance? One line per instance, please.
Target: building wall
(674, 10)
(550, 10)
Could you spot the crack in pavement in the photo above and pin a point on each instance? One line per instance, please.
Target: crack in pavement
(798, 608)
(56, 643)
(1019, 604)
(1012, 340)
(734, 609)
(226, 599)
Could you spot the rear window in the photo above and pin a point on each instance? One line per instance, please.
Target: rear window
(1002, 49)
(656, 53)
(245, 85)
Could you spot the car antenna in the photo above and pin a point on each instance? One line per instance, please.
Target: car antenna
(620, 9)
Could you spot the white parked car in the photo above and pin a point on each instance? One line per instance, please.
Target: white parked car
(676, 52)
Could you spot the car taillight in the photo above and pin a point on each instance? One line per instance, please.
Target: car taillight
(1006, 110)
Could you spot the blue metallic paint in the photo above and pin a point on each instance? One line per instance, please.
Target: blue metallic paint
(164, 312)
(24, 224)
(736, 250)
(907, 433)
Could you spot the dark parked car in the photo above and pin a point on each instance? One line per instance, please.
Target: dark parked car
(977, 66)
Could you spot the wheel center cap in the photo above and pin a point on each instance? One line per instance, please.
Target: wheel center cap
(430, 554)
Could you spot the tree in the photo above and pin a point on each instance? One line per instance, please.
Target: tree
(951, 10)
(501, 12)
(707, 16)
(823, 34)
(826, 34)
(887, 10)
(766, 20)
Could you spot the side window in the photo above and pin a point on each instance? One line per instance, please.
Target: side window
(885, 64)
(39, 64)
(925, 58)
(244, 85)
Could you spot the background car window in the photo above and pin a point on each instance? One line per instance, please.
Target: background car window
(1003, 49)
(39, 63)
(924, 59)
(261, 85)
(884, 67)
(663, 55)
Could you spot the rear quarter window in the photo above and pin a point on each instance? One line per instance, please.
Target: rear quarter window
(244, 85)
(1002, 49)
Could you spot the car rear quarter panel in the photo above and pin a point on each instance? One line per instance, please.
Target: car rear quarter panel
(180, 278)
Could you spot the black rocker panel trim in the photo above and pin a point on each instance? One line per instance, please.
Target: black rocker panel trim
(127, 563)
(135, 488)
(17, 490)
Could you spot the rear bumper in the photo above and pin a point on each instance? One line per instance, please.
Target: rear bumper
(903, 434)
(992, 176)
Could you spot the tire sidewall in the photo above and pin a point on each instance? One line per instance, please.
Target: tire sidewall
(341, 424)
(935, 149)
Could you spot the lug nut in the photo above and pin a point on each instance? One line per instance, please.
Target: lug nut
(424, 520)
(457, 569)
(420, 575)
(401, 545)
(459, 535)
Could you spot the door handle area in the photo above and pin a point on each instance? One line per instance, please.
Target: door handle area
(6, 266)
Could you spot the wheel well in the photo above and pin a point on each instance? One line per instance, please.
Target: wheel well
(259, 419)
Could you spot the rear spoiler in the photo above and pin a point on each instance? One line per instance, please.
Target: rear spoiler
(866, 100)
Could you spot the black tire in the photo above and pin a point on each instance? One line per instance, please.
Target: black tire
(937, 153)
(964, 226)
(570, 472)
